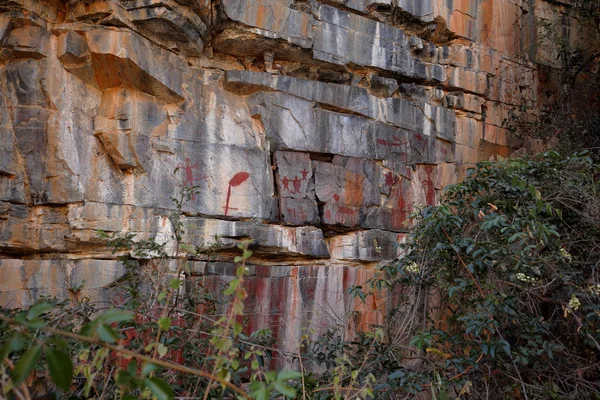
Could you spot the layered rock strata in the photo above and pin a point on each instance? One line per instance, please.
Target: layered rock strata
(313, 127)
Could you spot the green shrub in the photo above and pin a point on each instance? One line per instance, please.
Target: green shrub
(509, 262)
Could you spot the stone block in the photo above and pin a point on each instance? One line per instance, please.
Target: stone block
(215, 116)
(25, 83)
(28, 42)
(96, 274)
(382, 87)
(393, 214)
(126, 119)
(72, 48)
(166, 20)
(8, 155)
(123, 58)
(368, 246)
(299, 211)
(345, 38)
(32, 279)
(346, 189)
(294, 174)
(273, 240)
(467, 80)
(422, 9)
(273, 18)
(295, 118)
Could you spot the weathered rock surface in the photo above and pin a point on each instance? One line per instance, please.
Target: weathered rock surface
(312, 127)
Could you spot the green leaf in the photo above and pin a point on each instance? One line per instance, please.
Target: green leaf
(161, 296)
(123, 378)
(36, 323)
(164, 323)
(88, 329)
(59, 343)
(115, 315)
(149, 368)
(107, 333)
(4, 351)
(162, 350)
(15, 343)
(285, 375)
(37, 310)
(258, 391)
(396, 375)
(60, 367)
(271, 376)
(284, 389)
(159, 388)
(26, 364)
(175, 283)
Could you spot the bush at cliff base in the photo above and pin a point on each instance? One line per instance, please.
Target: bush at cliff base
(510, 264)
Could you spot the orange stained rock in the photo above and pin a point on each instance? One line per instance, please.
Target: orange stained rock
(354, 189)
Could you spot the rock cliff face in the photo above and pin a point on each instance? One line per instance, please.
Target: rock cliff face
(311, 126)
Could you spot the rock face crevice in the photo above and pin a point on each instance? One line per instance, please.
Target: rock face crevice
(313, 127)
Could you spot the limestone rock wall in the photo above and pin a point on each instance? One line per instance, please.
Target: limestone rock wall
(311, 126)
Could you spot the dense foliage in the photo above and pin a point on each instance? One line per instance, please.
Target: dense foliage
(510, 263)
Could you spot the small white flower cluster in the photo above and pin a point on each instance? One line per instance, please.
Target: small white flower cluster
(594, 289)
(565, 254)
(526, 278)
(574, 303)
(412, 268)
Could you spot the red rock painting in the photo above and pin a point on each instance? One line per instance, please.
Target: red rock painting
(296, 184)
(345, 216)
(422, 142)
(286, 183)
(353, 190)
(429, 186)
(188, 175)
(391, 179)
(341, 214)
(304, 174)
(400, 210)
(396, 142)
(237, 180)
(297, 215)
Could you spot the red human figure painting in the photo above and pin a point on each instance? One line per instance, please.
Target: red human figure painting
(286, 183)
(297, 214)
(304, 174)
(429, 186)
(422, 142)
(296, 182)
(188, 177)
(400, 212)
(237, 180)
(390, 179)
